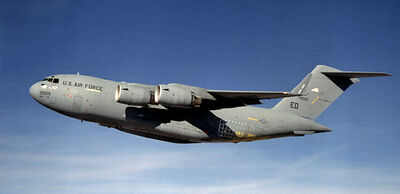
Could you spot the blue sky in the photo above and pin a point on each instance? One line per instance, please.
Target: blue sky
(243, 45)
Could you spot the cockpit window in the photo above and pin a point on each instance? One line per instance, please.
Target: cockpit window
(52, 80)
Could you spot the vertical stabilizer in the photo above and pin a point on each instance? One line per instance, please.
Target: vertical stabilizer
(319, 89)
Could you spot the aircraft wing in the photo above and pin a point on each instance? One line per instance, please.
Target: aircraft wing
(185, 96)
(258, 95)
(229, 98)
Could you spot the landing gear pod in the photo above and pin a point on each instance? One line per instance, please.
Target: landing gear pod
(175, 96)
(133, 95)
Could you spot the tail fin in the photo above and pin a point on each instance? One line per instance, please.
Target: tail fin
(319, 89)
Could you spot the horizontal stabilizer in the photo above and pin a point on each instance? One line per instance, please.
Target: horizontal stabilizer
(355, 74)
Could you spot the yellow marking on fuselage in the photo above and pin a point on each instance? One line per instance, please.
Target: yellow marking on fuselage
(239, 134)
(92, 90)
(251, 139)
(315, 100)
(251, 135)
(253, 119)
(244, 135)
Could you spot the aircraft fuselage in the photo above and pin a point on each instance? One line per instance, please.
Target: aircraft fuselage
(93, 99)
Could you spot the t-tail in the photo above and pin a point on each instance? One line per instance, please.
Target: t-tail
(319, 89)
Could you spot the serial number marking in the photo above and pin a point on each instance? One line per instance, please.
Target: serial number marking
(303, 98)
(45, 93)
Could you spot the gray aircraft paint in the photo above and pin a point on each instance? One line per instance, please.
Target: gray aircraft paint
(318, 93)
(226, 119)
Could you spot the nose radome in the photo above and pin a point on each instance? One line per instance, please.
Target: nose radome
(34, 90)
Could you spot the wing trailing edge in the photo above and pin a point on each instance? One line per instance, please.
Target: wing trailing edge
(255, 95)
(232, 98)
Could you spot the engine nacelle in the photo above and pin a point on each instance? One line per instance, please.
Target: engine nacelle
(170, 95)
(134, 95)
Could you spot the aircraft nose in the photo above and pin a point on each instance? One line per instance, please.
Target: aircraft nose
(34, 91)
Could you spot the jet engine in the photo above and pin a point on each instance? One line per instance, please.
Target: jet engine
(170, 95)
(134, 95)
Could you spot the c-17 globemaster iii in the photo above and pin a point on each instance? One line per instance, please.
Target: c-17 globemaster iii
(186, 114)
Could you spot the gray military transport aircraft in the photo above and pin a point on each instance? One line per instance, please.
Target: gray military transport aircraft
(186, 114)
